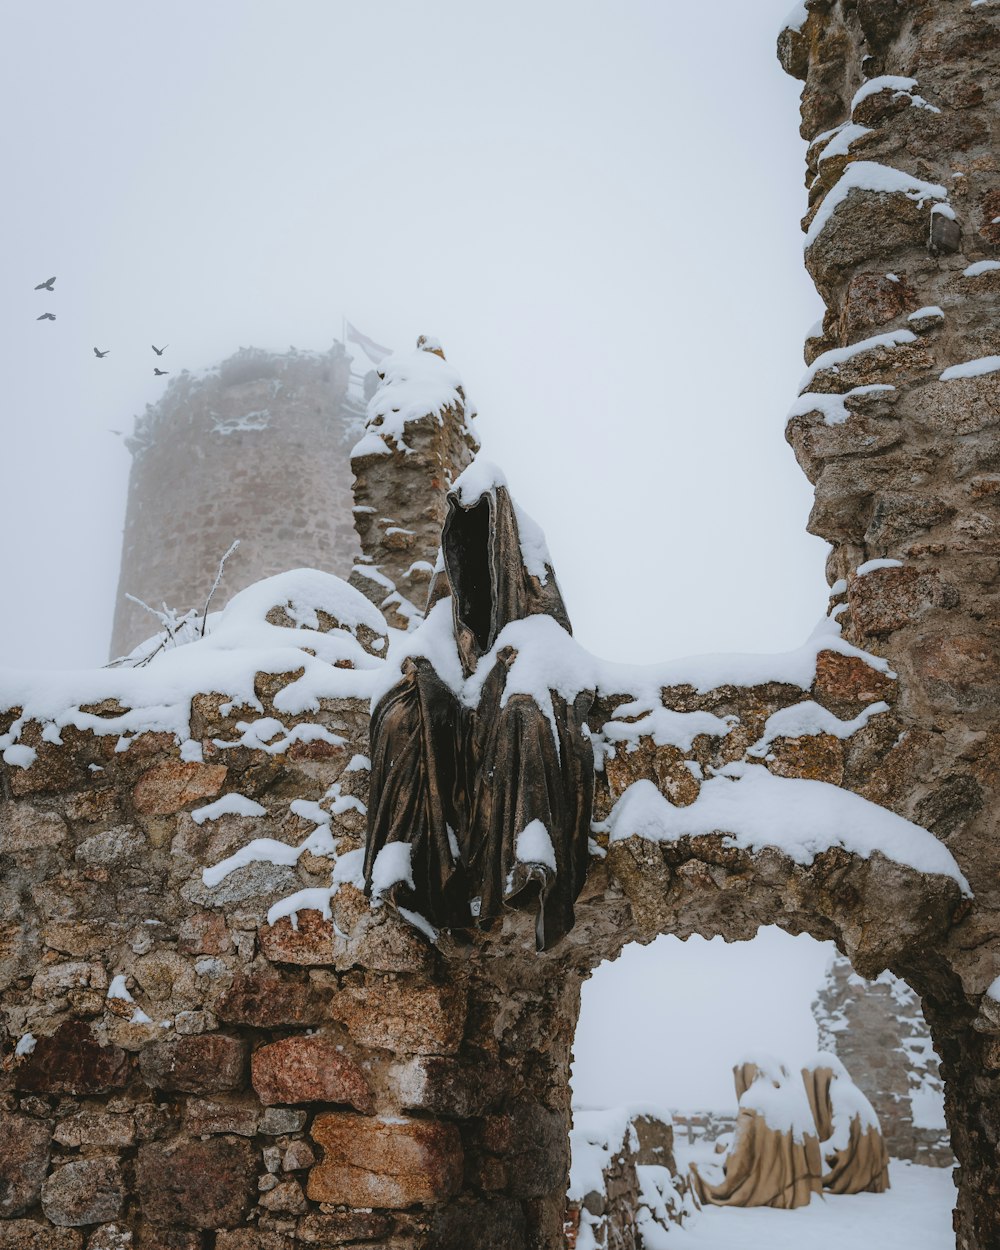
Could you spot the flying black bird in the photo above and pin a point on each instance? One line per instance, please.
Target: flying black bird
(101, 355)
(159, 350)
(160, 372)
(46, 317)
(47, 285)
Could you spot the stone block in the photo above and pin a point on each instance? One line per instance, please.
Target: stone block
(847, 680)
(308, 1069)
(24, 1161)
(959, 672)
(252, 1239)
(233, 1113)
(887, 599)
(86, 1191)
(26, 828)
(266, 999)
(299, 1155)
(30, 1235)
(72, 1061)
(204, 1064)
(149, 1237)
(444, 1086)
(286, 1196)
(204, 933)
(89, 1128)
(483, 1224)
(814, 757)
(124, 844)
(374, 1162)
(166, 788)
(83, 938)
(311, 944)
(338, 1228)
(278, 1121)
(197, 1184)
(534, 1142)
(402, 1015)
(110, 1237)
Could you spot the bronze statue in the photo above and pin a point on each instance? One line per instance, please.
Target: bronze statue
(491, 791)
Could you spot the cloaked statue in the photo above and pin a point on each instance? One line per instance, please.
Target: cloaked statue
(482, 766)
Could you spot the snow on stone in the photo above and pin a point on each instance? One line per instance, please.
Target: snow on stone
(839, 587)
(477, 479)
(26, 1044)
(393, 866)
(665, 726)
(797, 18)
(480, 478)
(594, 1138)
(118, 989)
(994, 990)
(871, 176)
(414, 385)
(358, 763)
(844, 136)
(658, 1195)
(931, 310)
(837, 356)
(899, 86)
(268, 734)
(981, 267)
(972, 368)
(228, 805)
(534, 846)
(306, 809)
(871, 566)
(269, 851)
(808, 719)
(18, 755)
(833, 407)
(753, 809)
(238, 644)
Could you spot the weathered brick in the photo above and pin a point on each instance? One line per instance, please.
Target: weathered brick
(403, 1015)
(374, 1162)
(227, 1113)
(311, 943)
(71, 1061)
(336, 1228)
(197, 1184)
(89, 1128)
(308, 1069)
(203, 1064)
(86, 1191)
(24, 1161)
(166, 788)
(266, 1000)
(26, 828)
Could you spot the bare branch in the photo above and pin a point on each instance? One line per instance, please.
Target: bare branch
(215, 585)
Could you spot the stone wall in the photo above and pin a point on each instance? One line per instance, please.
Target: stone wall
(878, 1031)
(255, 449)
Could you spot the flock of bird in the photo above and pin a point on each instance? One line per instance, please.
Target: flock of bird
(50, 285)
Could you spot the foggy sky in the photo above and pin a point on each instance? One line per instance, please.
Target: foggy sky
(594, 206)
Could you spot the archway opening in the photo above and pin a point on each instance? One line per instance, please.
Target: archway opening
(661, 1030)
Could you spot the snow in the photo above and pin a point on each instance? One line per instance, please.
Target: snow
(477, 479)
(871, 176)
(843, 137)
(870, 566)
(778, 1097)
(393, 866)
(981, 267)
(480, 478)
(269, 851)
(837, 356)
(752, 809)
(238, 644)
(839, 587)
(534, 846)
(915, 1214)
(797, 18)
(932, 310)
(994, 990)
(594, 1138)
(118, 989)
(927, 1106)
(414, 385)
(808, 719)
(26, 1044)
(892, 82)
(833, 407)
(19, 755)
(228, 805)
(972, 368)
(666, 727)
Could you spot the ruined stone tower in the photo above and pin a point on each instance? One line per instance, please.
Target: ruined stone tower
(256, 449)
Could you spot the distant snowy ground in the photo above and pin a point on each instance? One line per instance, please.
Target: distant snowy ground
(915, 1214)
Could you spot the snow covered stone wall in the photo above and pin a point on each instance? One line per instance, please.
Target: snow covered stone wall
(256, 449)
(210, 1037)
(878, 1031)
(898, 428)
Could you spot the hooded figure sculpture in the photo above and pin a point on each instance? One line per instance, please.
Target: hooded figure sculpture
(488, 784)
(855, 1159)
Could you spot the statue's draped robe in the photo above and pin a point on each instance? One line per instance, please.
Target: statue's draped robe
(770, 1163)
(854, 1156)
(460, 783)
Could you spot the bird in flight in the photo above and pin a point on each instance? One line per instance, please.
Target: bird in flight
(159, 350)
(160, 372)
(47, 285)
(46, 317)
(100, 355)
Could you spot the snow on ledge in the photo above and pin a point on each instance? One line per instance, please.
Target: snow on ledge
(754, 810)
(871, 176)
(981, 267)
(872, 566)
(971, 368)
(228, 805)
(899, 86)
(833, 408)
(414, 385)
(837, 356)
